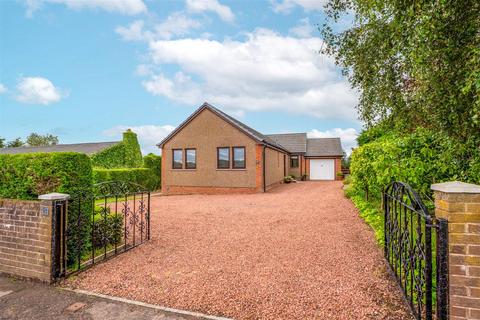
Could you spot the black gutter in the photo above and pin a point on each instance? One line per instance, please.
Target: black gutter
(264, 170)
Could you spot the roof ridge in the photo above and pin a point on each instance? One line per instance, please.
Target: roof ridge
(62, 144)
(254, 134)
(277, 134)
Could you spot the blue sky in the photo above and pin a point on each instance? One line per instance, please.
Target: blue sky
(87, 69)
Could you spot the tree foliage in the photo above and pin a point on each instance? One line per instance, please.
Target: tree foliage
(15, 143)
(415, 63)
(35, 140)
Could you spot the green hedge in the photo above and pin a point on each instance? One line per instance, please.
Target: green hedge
(25, 176)
(143, 176)
(419, 159)
(125, 154)
(154, 162)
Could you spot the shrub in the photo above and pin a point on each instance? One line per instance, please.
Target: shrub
(107, 229)
(419, 159)
(154, 162)
(125, 154)
(143, 176)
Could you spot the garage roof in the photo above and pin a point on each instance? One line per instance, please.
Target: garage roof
(323, 147)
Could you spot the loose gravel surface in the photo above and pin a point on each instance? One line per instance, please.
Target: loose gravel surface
(299, 251)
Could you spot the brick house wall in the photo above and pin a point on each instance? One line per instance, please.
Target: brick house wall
(275, 167)
(206, 178)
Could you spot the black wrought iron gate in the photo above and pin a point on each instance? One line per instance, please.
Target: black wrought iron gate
(100, 223)
(416, 250)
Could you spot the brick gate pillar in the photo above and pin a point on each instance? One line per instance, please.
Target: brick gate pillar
(459, 204)
(29, 237)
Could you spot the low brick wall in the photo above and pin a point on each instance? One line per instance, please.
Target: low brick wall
(26, 238)
(177, 190)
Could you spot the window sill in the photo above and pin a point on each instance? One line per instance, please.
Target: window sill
(231, 169)
(183, 169)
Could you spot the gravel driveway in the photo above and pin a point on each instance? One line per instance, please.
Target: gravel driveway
(299, 251)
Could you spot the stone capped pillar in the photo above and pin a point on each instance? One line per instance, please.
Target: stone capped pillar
(459, 204)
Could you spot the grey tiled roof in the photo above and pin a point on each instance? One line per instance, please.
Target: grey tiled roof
(289, 142)
(244, 127)
(294, 142)
(240, 125)
(319, 147)
(87, 148)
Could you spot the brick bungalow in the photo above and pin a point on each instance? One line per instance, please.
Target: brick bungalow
(212, 152)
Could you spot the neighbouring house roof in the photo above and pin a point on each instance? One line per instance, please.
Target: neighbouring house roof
(321, 147)
(294, 142)
(87, 148)
(254, 134)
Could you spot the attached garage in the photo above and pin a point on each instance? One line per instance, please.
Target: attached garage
(322, 169)
(324, 158)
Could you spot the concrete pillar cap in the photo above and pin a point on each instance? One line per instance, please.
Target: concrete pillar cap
(54, 196)
(456, 187)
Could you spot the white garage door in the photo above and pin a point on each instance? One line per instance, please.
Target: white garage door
(322, 169)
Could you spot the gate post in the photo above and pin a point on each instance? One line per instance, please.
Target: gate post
(457, 206)
(57, 204)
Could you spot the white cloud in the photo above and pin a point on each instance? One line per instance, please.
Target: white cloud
(303, 29)
(3, 89)
(266, 71)
(134, 32)
(143, 70)
(223, 11)
(348, 137)
(37, 90)
(286, 6)
(127, 7)
(148, 135)
(176, 24)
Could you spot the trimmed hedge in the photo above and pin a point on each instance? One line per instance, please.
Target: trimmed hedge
(154, 162)
(125, 154)
(26, 176)
(143, 176)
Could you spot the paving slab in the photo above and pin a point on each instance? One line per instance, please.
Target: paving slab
(27, 300)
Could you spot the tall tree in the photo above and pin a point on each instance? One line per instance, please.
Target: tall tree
(35, 140)
(15, 143)
(2, 143)
(415, 63)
